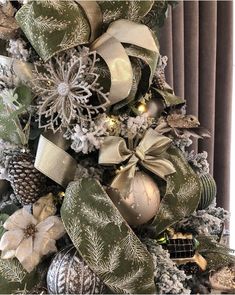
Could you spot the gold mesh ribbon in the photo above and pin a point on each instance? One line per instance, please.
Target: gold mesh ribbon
(150, 153)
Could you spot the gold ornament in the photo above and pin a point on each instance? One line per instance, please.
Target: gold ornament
(8, 25)
(44, 207)
(183, 249)
(142, 203)
(150, 153)
(224, 279)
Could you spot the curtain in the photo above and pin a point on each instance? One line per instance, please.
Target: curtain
(197, 38)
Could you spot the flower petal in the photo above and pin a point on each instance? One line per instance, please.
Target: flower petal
(43, 244)
(53, 226)
(26, 255)
(11, 239)
(20, 219)
(8, 254)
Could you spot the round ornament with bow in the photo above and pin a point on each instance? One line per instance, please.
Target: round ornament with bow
(135, 194)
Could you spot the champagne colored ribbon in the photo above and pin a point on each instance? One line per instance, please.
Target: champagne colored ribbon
(149, 153)
(132, 33)
(22, 69)
(109, 46)
(54, 162)
(94, 15)
(118, 62)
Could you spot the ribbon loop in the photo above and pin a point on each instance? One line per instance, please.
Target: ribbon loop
(111, 46)
(116, 151)
(54, 162)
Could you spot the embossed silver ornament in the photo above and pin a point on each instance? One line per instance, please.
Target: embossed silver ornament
(69, 274)
(142, 203)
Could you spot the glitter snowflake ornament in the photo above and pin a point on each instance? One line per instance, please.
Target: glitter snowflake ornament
(68, 90)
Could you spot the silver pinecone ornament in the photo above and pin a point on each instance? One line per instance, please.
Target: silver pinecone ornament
(27, 182)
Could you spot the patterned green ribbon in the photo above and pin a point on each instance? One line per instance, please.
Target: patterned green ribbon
(105, 240)
(55, 26)
(182, 195)
(133, 10)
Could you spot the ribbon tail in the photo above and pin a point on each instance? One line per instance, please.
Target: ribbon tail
(113, 151)
(54, 162)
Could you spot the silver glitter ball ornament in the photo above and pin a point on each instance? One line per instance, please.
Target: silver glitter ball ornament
(69, 274)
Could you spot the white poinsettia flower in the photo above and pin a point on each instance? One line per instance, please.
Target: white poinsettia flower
(28, 239)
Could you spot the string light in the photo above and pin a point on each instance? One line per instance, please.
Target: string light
(111, 122)
(142, 108)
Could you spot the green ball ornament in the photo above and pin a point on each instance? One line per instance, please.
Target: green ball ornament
(69, 274)
(209, 191)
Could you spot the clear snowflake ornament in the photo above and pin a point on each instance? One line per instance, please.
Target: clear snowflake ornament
(68, 90)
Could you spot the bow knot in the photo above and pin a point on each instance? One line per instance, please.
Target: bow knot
(140, 153)
(150, 153)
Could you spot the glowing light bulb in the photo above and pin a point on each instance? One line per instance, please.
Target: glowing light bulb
(111, 122)
(142, 108)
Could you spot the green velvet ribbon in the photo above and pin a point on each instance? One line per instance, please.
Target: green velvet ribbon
(104, 239)
(168, 96)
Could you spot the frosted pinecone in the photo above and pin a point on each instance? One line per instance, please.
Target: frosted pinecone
(159, 80)
(27, 182)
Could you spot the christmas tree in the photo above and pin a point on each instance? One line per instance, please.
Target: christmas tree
(99, 191)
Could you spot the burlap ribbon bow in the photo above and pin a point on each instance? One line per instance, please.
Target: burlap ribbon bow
(150, 153)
